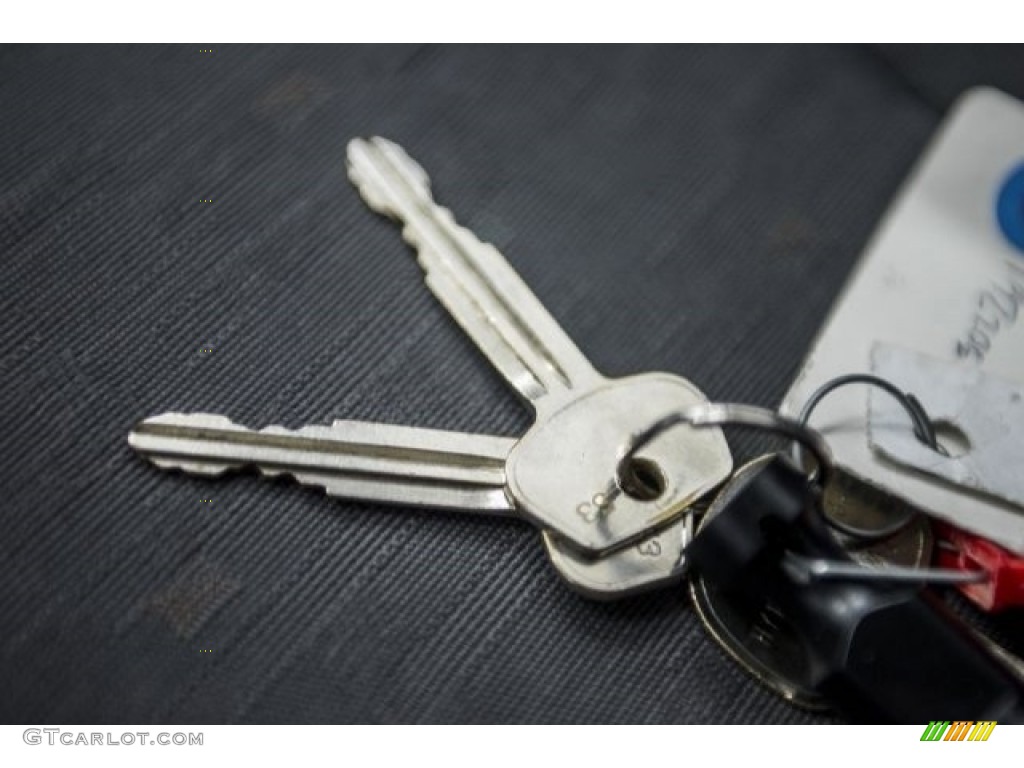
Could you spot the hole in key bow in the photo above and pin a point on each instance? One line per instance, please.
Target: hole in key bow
(641, 479)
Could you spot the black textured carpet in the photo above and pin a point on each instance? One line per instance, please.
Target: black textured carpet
(693, 210)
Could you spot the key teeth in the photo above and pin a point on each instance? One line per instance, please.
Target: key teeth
(139, 432)
(368, 160)
(206, 469)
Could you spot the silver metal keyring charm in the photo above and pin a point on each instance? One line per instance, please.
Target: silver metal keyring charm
(725, 414)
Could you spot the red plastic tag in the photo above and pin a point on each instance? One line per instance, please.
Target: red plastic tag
(964, 551)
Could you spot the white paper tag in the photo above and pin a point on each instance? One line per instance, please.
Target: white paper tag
(939, 277)
(979, 419)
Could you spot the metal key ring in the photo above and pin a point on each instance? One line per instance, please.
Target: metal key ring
(720, 414)
(924, 430)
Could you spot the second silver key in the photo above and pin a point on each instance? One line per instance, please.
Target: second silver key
(392, 464)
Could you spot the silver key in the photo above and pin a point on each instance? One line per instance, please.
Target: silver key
(560, 474)
(653, 562)
(391, 464)
(350, 459)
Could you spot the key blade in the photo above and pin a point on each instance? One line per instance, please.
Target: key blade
(384, 174)
(400, 465)
(472, 279)
(146, 438)
(371, 462)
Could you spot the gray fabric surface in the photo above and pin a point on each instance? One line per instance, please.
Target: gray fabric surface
(693, 210)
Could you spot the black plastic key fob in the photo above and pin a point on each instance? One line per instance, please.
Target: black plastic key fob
(879, 651)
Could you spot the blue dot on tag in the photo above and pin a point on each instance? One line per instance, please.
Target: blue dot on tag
(1010, 207)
